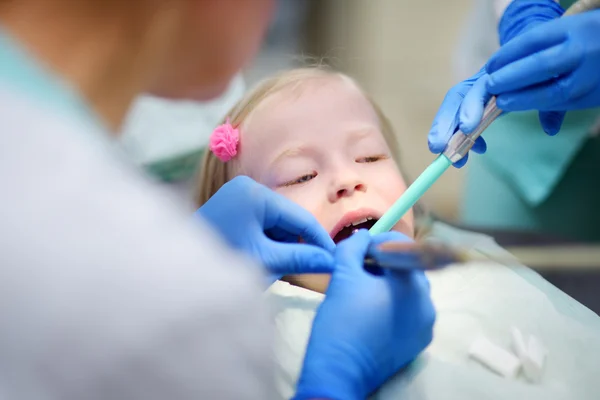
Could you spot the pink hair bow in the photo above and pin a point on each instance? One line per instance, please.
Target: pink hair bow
(224, 141)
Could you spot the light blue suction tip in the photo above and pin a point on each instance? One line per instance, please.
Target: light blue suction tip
(412, 195)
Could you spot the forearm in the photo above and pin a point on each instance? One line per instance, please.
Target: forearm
(107, 291)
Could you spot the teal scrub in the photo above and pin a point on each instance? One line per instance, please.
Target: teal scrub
(20, 71)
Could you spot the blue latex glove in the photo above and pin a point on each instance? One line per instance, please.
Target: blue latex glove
(452, 115)
(552, 67)
(267, 226)
(464, 103)
(367, 328)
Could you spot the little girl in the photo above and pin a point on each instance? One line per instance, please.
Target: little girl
(312, 135)
(315, 137)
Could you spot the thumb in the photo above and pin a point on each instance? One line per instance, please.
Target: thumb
(445, 122)
(297, 258)
(471, 110)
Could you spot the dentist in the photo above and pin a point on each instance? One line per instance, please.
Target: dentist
(108, 288)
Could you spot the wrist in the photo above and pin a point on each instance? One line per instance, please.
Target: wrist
(522, 15)
(330, 378)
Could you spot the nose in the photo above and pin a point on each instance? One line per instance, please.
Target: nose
(346, 186)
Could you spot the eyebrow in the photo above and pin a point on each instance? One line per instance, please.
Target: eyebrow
(357, 134)
(362, 133)
(291, 152)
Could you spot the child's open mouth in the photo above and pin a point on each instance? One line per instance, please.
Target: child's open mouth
(351, 222)
(347, 231)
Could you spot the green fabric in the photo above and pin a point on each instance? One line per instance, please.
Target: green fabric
(528, 160)
(571, 210)
(21, 72)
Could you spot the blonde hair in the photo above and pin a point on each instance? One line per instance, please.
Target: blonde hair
(214, 173)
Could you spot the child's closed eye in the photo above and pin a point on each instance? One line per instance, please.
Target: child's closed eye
(372, 159)
(299, 180)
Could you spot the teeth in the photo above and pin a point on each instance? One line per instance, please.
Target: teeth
(359, 222)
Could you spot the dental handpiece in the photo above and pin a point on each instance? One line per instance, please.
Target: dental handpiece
(460, 143)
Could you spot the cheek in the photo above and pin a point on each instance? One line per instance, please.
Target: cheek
(390, 185)
(388, 182)
(308, 197)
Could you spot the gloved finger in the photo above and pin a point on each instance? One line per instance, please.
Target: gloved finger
(350, 253)
(551, 121)
(413, 288)
(471, 109)
(538, 38)
(392, 236)
(548, 96)
(296, 258)
(539, 67)
(281, 214)
(445, 122)
(480, 146)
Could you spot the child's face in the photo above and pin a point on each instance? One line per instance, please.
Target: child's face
(322, 147)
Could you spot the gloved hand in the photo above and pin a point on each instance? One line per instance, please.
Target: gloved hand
(552, 67)
(454, 114)
(464, 103)
(367, 328)
(267, 226)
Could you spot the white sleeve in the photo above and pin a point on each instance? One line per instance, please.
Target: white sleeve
(108, 290)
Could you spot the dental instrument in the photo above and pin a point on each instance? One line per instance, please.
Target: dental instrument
(458, 147)
(412, 255)
(427, 256)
